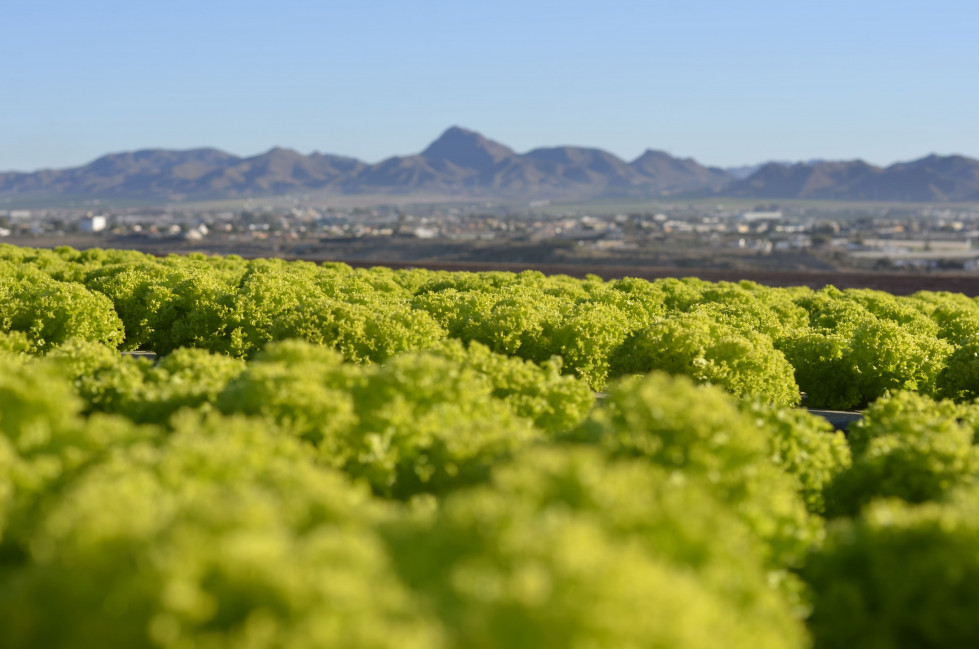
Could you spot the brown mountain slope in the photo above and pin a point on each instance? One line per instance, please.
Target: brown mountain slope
(672, 175)
(933, 178)
(464, 163)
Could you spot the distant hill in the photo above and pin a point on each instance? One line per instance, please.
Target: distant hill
(930, 179)
(464, 163)
(673, 175)
(175, 175)
(467, 149)
(459, 163)
(741, 172)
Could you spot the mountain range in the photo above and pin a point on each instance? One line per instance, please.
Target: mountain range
(464, 163)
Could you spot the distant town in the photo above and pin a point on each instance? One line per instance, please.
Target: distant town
(793, 235)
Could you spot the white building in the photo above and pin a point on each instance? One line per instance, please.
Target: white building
(92, 223)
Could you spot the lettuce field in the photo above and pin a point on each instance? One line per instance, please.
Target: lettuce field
(319, 456)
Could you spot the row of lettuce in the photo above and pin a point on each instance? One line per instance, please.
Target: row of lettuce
(330, 457)
(456, 497)
(842, 349)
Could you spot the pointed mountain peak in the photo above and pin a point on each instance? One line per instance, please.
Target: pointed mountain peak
(281, 152)
(653, 161)
(653, 154)
(467, 149)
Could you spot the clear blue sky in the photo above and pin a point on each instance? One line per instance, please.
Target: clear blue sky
(724, 82)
